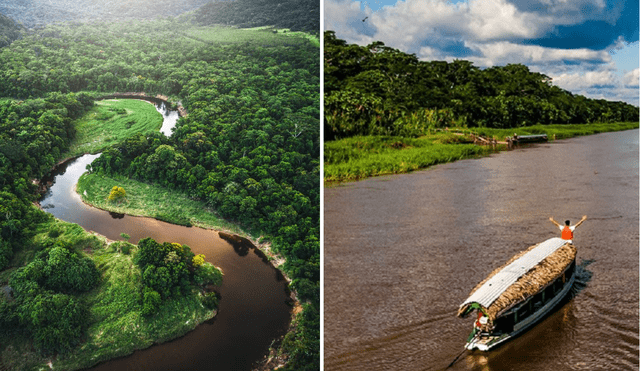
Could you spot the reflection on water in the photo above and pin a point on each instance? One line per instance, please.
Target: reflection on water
(402, 252)
(240, 245)
(170, 118)
(115, 215)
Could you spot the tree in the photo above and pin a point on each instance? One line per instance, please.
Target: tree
(150, 302)
(117, 194)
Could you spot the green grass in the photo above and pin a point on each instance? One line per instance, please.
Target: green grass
(560, 131)
(110, 122)
(362, 157)
(118, 327)
(264, 34)
(149, 200)
(366, 156)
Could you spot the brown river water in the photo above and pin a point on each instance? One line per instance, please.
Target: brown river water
(402, 252)
(254, 307)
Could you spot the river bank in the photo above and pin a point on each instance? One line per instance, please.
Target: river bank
(362, 157)
(151, 201)
(118, 327)
(168, 205)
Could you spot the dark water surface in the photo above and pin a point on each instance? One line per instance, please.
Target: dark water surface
(403, 252)
(253, 308)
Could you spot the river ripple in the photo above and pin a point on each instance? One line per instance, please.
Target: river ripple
(402, 252)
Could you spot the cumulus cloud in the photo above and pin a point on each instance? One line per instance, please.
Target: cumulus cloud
(505, 52)
(631, 79)
(582, 81)
(345, 18)
(499, 20)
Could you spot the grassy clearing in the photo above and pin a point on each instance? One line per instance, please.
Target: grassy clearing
(149, 200)
(264, 34)
(118, 327)
(366, 156)
(362, 157)
(110, 122)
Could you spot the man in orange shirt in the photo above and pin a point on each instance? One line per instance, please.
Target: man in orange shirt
(567, 229)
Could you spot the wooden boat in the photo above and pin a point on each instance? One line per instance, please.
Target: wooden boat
(520, 293)
(534, 138)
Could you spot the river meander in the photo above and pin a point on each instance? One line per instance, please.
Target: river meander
(253, 309)
(402, 252)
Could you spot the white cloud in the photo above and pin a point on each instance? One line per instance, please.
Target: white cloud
(604, 84)
(632, 78)
(408, 23)
(411, 23)
(343, 17)
(499, 19)
(538, 57)
(581, 81)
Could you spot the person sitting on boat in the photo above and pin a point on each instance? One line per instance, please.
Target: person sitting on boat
(482, 323)
(567, 229)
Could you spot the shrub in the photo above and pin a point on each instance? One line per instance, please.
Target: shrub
(125, 248)
(198, 260)
(57, 321)
(207, 273)
(54, 233)
(67, 271)
(150, 302)
(210, 300)
(117, 194)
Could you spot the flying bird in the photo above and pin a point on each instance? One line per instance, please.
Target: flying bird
(365, 18)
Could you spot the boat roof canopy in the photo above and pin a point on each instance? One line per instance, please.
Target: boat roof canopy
(524, 275)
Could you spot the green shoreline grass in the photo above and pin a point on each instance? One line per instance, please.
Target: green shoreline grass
(150, 200)
(361, 157)
(111, 121)
(118, 327)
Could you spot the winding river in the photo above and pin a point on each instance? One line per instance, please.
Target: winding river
(401, 253)
(253, 310)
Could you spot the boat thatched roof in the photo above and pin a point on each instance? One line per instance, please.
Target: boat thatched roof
(530, 283)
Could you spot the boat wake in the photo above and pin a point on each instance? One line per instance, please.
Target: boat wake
(583, 277)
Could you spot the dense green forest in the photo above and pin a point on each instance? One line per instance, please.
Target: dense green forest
(9, 30)
(249, 147)
(297, 15)
(376, 89)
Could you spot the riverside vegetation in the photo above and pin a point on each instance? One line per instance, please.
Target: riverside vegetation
(386, 112)
(249, 149)
(89, 301)
(144, 199)
(361, 157)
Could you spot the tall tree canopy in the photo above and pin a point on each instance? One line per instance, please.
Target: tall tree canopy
(375, 89)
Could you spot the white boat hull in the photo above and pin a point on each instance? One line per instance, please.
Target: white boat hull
(487, 341)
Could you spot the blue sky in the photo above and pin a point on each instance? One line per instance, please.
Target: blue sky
(588, 47)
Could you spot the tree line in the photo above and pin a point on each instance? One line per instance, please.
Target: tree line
(376, 89)
(297, 15)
